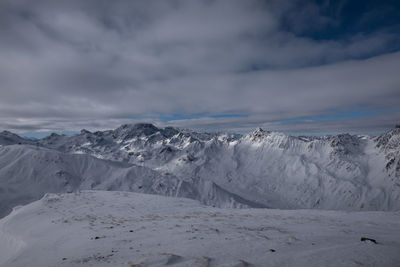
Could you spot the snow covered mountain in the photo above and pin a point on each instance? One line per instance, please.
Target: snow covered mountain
(9, 138)
(28, 172)
(260, 169)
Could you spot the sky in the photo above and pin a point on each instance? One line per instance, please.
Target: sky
(296, 66)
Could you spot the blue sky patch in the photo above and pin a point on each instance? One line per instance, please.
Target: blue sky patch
(177, 117)
(337, 116)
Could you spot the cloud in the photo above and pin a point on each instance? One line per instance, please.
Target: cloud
(87, 64)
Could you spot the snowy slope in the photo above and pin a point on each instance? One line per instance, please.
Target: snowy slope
(28, 172)
(98, 228)
(340, 172)
(260, 169)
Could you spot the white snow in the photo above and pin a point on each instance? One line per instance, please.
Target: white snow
(98, 228)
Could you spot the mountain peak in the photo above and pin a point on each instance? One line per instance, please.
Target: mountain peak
(138, 129)
(259, 132)
(84, 131)
(141, 125)
(8, 133)
(9, 138)
(390, 139)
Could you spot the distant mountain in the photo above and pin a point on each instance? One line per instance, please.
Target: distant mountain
(9, 138)
(260, 169)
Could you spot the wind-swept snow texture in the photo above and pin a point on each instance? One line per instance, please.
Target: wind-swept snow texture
(99, 228)
(260, 169)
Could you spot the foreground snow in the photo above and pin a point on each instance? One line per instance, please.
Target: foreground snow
(99, 228)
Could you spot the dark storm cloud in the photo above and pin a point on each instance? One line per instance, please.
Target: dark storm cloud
(66, 65)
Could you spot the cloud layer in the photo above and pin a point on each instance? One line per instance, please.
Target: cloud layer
(94, 64)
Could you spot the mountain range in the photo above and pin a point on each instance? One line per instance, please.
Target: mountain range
(259, 169)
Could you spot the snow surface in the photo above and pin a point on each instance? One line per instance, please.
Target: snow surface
(99, 228)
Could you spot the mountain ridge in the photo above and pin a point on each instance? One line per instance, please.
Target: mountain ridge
(258, 169)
